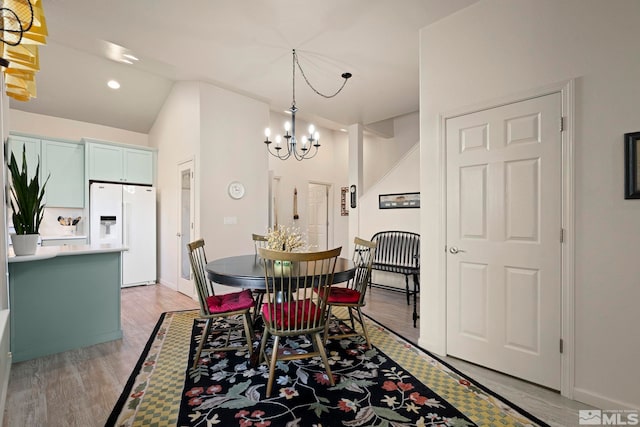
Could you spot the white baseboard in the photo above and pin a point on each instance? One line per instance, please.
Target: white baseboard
(5, 358)
(169, 285)
(600, 401)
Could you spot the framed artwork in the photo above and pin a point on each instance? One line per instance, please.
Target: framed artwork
(399, 200)
(631, 165)
(344, 211)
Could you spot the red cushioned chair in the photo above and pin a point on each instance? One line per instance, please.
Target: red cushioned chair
(296, 290)
(213, 307)
(351, 296)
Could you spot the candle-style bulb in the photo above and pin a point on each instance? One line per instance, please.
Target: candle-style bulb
(287, 126)
(316, 136)
(278, 140)
(304, 142)
(267, 132)
(312, 129)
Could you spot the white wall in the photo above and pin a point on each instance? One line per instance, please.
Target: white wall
(382, 154)
(329, 166)
(176, 135)
(231, 149)
(403, 177)
(498, 48)
(55, 127)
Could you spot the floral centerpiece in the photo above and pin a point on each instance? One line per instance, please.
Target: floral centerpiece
(286, 239)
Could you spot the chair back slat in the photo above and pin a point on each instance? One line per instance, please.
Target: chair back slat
(296, 289)
(363, 256)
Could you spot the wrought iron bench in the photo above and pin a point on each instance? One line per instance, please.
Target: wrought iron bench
(399, 252)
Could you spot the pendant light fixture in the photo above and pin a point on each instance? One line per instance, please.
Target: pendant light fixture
(309, 144)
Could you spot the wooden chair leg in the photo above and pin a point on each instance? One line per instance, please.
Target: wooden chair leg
(364, 328)
(326, 326)
(203, 339)
(263, 345)
(320, 348)
(248, 330)
(272, 364)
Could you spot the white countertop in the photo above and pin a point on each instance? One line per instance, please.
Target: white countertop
(45, 252)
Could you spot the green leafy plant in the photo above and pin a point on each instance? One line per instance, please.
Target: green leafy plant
(27, 194)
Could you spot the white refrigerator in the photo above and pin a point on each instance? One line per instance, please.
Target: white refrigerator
(126, 214)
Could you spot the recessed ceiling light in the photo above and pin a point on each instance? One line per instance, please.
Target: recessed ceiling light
(343, 129)
(126, 61)
(287, 111)
(113, 84)
(131, 57)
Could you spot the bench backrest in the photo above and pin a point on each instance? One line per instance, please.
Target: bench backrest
(398, 248)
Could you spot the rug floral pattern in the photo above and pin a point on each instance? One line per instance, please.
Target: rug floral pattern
(223, 391)
(370, 390)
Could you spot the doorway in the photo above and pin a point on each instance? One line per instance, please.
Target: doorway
(318, 224)
(504, 238)
(186, 228)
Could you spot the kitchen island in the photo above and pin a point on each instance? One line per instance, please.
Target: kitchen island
(64, 297)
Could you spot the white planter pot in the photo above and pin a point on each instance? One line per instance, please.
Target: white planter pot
(24, 244)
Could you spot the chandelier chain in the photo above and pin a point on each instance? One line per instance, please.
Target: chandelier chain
(296, 62)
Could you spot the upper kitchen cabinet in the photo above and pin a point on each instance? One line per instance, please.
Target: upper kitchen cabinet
(61, 161)
(32, 145)
(116, 163)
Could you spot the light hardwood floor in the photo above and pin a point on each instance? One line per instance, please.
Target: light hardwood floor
(80, 387)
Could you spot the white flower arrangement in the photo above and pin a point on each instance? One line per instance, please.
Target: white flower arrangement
(287, 239)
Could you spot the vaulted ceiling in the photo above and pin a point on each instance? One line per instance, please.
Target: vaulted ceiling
(241, 45)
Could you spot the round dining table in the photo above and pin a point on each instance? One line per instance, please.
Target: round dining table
(247, 271)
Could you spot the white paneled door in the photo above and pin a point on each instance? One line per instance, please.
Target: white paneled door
(318, 210)
(504, 238)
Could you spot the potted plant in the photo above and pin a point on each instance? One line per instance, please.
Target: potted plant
(28, 209)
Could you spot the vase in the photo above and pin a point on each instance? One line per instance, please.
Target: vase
(24, 244)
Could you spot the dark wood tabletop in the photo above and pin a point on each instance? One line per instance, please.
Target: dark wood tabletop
(247, 271)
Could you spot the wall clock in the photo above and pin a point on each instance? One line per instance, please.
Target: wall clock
(236, 190)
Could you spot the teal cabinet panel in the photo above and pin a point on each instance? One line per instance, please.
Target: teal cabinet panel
(32, 151)
(138, 166)
(64, 303)
(115, 163)
(63, 162)
(105, 163)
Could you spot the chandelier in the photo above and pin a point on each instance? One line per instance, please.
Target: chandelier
(309, 144)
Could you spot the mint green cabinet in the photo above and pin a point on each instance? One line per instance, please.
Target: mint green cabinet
(105, 163)
(15, 145)
(138, 166)
(115, 163)
(63, 162)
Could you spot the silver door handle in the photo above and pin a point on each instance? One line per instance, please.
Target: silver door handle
(178, 234)
(455, 250)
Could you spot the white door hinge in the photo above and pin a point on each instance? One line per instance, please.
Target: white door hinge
(561, 346)
(562, 235)
(561, 123)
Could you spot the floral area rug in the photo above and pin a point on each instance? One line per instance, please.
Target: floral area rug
(392, 384)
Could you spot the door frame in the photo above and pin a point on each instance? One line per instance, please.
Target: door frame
(179, 166)
(567, 93)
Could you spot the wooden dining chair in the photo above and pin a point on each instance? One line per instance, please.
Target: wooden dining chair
(296, 285)
(259, 241)
(352, 295)
(226, 306)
